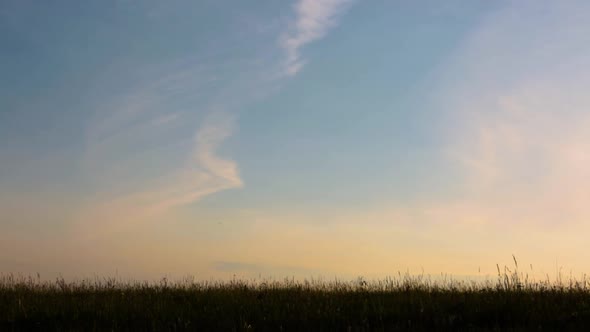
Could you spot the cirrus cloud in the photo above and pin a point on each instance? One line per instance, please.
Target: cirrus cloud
(313, 20)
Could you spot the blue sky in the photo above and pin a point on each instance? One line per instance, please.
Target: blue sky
(326, 137)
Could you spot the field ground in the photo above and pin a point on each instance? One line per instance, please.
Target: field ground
(394, 304)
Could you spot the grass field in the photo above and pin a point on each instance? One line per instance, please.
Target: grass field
(512, 302)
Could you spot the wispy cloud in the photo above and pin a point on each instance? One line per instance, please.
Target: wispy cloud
(313, 20)
(156, 147)
(176, 101)
(521, 115)
(203, 173)
(209, 173)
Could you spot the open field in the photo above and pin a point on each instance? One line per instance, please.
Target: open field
(402, 303)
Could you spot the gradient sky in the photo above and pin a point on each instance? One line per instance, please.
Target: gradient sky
(293, 138)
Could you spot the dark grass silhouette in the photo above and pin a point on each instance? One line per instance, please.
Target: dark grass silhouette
(513, 302)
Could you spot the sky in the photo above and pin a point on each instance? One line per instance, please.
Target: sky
(303, 138)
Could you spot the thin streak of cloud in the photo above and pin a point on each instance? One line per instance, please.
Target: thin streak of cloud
(185, 101)
(204, 173)
(165, 119)
(313, 20)
(208, 139)
(215, 173)
(144, 115)
(152, 118)
(266, 270)
(147, 101)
